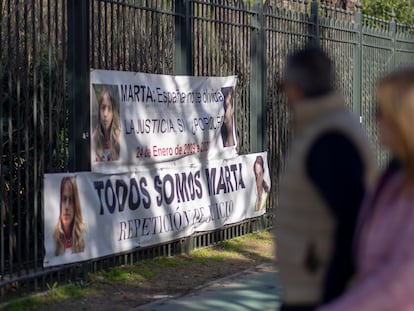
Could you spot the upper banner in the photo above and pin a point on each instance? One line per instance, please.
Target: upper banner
(139, 118)
(89, 215)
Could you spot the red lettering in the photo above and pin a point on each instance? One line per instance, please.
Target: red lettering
(162, 152)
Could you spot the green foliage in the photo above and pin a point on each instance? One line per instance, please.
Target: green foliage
(233, 245)
(166, 262)
(32, 303)
(29, 304)
(403, 9)
(142, 270)
(74, 291)
(124, 274)
(265, 236)
(70, 291)
(52, 289)
(205, 255)
(54, 295)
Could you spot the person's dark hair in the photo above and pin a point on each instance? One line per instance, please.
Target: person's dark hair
(311, 70)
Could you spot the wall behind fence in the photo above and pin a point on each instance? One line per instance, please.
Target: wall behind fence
(47, 48)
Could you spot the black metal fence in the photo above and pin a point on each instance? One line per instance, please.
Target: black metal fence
(47, 48)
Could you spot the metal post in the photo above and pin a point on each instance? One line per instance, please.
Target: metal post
(357, 100)
(183, 56)
(78, 85)
(258, 120)
(314, 24)
(393, 34)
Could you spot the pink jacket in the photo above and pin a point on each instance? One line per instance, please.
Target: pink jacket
(385, 252)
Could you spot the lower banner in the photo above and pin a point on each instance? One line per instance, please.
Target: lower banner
(89, 215)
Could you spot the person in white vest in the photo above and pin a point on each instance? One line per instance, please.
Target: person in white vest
(330, 163)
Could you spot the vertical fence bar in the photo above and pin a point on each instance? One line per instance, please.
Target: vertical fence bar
(98, 55)
(41, 127)
(11, 185)
(257, 84)
(92, 58)
(123, 11)
(36, 15)
(2, 162)
(183, 54)
(393, 35)
(26, 138)
(61, 154)
(112, 36)
(49, 58)
(357, 92)
(19, 122)
(78, 84)
(314, 25)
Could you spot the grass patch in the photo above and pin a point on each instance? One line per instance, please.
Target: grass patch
(165, 262)
(74, 291)
(54, 295)
(126, 274)
(26, 304)
(117, 274)
(235, 246)
(70, 291)
(264, 236)
(220, 252)
(142, 271)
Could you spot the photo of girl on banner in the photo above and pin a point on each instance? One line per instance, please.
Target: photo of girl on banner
(69, 230)
(261, 184)
(228, 127)
(107, 128)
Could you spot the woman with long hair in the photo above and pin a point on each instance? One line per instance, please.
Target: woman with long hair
(228, 119)
(106, 133)
(384, 252)
(68, 233)
(261, 185)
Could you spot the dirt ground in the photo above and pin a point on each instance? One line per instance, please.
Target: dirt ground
(170, 281)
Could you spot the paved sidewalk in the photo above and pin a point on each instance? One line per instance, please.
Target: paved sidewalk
(250, 290)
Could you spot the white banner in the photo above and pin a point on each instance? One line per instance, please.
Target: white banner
(89, 215)
(139, 118)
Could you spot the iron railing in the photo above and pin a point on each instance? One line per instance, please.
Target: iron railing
(47, 48)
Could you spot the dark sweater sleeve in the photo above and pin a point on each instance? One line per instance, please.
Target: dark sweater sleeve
(336, 169)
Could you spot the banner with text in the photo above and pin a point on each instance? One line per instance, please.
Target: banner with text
(89, 215)
(139, 118)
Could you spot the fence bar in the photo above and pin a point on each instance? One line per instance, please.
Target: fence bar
(314, 26)
(183, 56)
(393, 34)
(358, 62)
(257, 85)
(78, 84)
